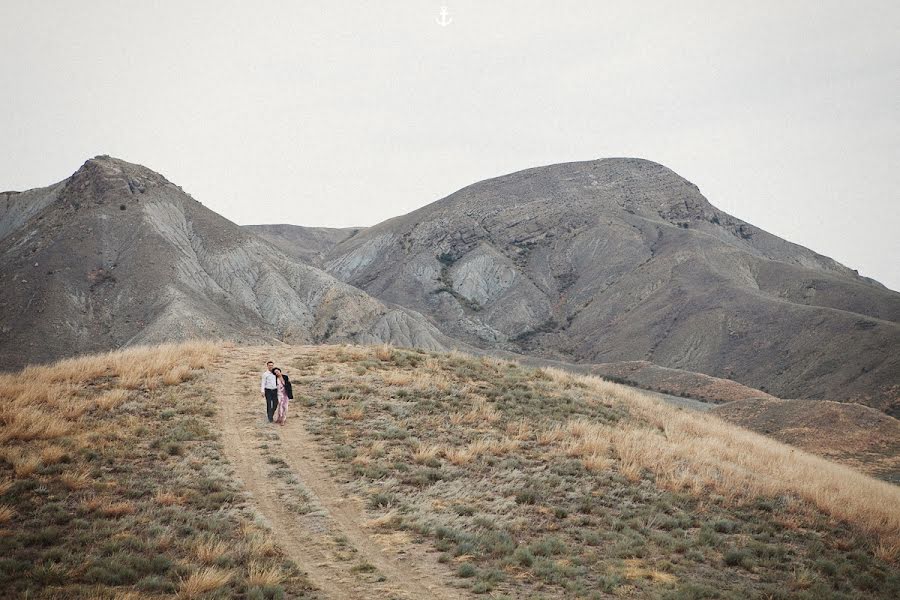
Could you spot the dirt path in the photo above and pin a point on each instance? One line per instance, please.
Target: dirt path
(329, 541)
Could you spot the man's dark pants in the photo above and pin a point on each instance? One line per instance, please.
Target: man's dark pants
(271, 403)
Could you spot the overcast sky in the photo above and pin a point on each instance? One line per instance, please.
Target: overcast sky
(785, 114)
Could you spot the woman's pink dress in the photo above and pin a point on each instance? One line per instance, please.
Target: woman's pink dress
(281, 412)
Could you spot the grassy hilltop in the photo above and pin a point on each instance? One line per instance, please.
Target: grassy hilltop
(520, 483)
(112, 485)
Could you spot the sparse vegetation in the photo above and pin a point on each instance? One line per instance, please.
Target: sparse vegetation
(112, 485)
(528, 482)
(543, 483)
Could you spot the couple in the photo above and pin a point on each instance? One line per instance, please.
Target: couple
(276, 389)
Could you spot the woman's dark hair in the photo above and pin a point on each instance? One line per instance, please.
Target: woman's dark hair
(277, 369)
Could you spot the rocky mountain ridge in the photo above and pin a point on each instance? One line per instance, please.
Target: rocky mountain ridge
(616, 262)
(624, 260)
(118, 255)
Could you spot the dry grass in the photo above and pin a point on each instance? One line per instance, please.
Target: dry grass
(384, 352)
(111, 399)
(355, 413)
(168, 498)
(43, 402)
(397, 377)
(50, 455)
(24, 462)
(430, 379)
(140, 471)
(261, 545)
(264, 576)
(20, 423)
(129, 364)
(520, 430)
(6, 514)
(74, 481)
(208, 551)
(388, 520)
(482, 447)
(204, 581)
(425, 453)
(176, 375)
(480, 413)
(111, 508)
(634, 569)
(551, 435)
(698, 453)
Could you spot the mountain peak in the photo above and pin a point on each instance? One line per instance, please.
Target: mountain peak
(104, 178)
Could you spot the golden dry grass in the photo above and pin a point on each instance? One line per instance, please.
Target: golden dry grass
(50, 455)
(397, 377)
(635, 569)
(520, 430)
(111, 399)
(384, 352)
(46, 402)
(700, 454)
(388, 520)
(203, 581)
(208, 551)
(138, 361)
(77, 480)
(425, 452)
(176, 375)
(23, 461)
(263, 576)
(55, 419)
(482, 447)
(114, 509)
(168, 498)
(355, 413)
(263, 546)
(6, 513)
(480, 413)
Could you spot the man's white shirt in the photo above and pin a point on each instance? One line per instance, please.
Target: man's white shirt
(268, 382)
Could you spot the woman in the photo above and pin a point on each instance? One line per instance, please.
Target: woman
(285, 393)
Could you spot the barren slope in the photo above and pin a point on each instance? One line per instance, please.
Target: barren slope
(118, 255)
(623, 260)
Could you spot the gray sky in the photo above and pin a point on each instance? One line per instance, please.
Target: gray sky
(785, 114)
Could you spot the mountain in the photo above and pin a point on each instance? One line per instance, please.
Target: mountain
(306, 244)
(623, 260)
(117, 255)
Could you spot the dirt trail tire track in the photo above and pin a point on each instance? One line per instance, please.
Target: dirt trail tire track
(309, 540)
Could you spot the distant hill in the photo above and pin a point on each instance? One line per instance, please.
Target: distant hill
(117, 255)
(676, 382)
(849, 433)
(623, 260)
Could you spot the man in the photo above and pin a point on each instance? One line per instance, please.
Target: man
(269, 388)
